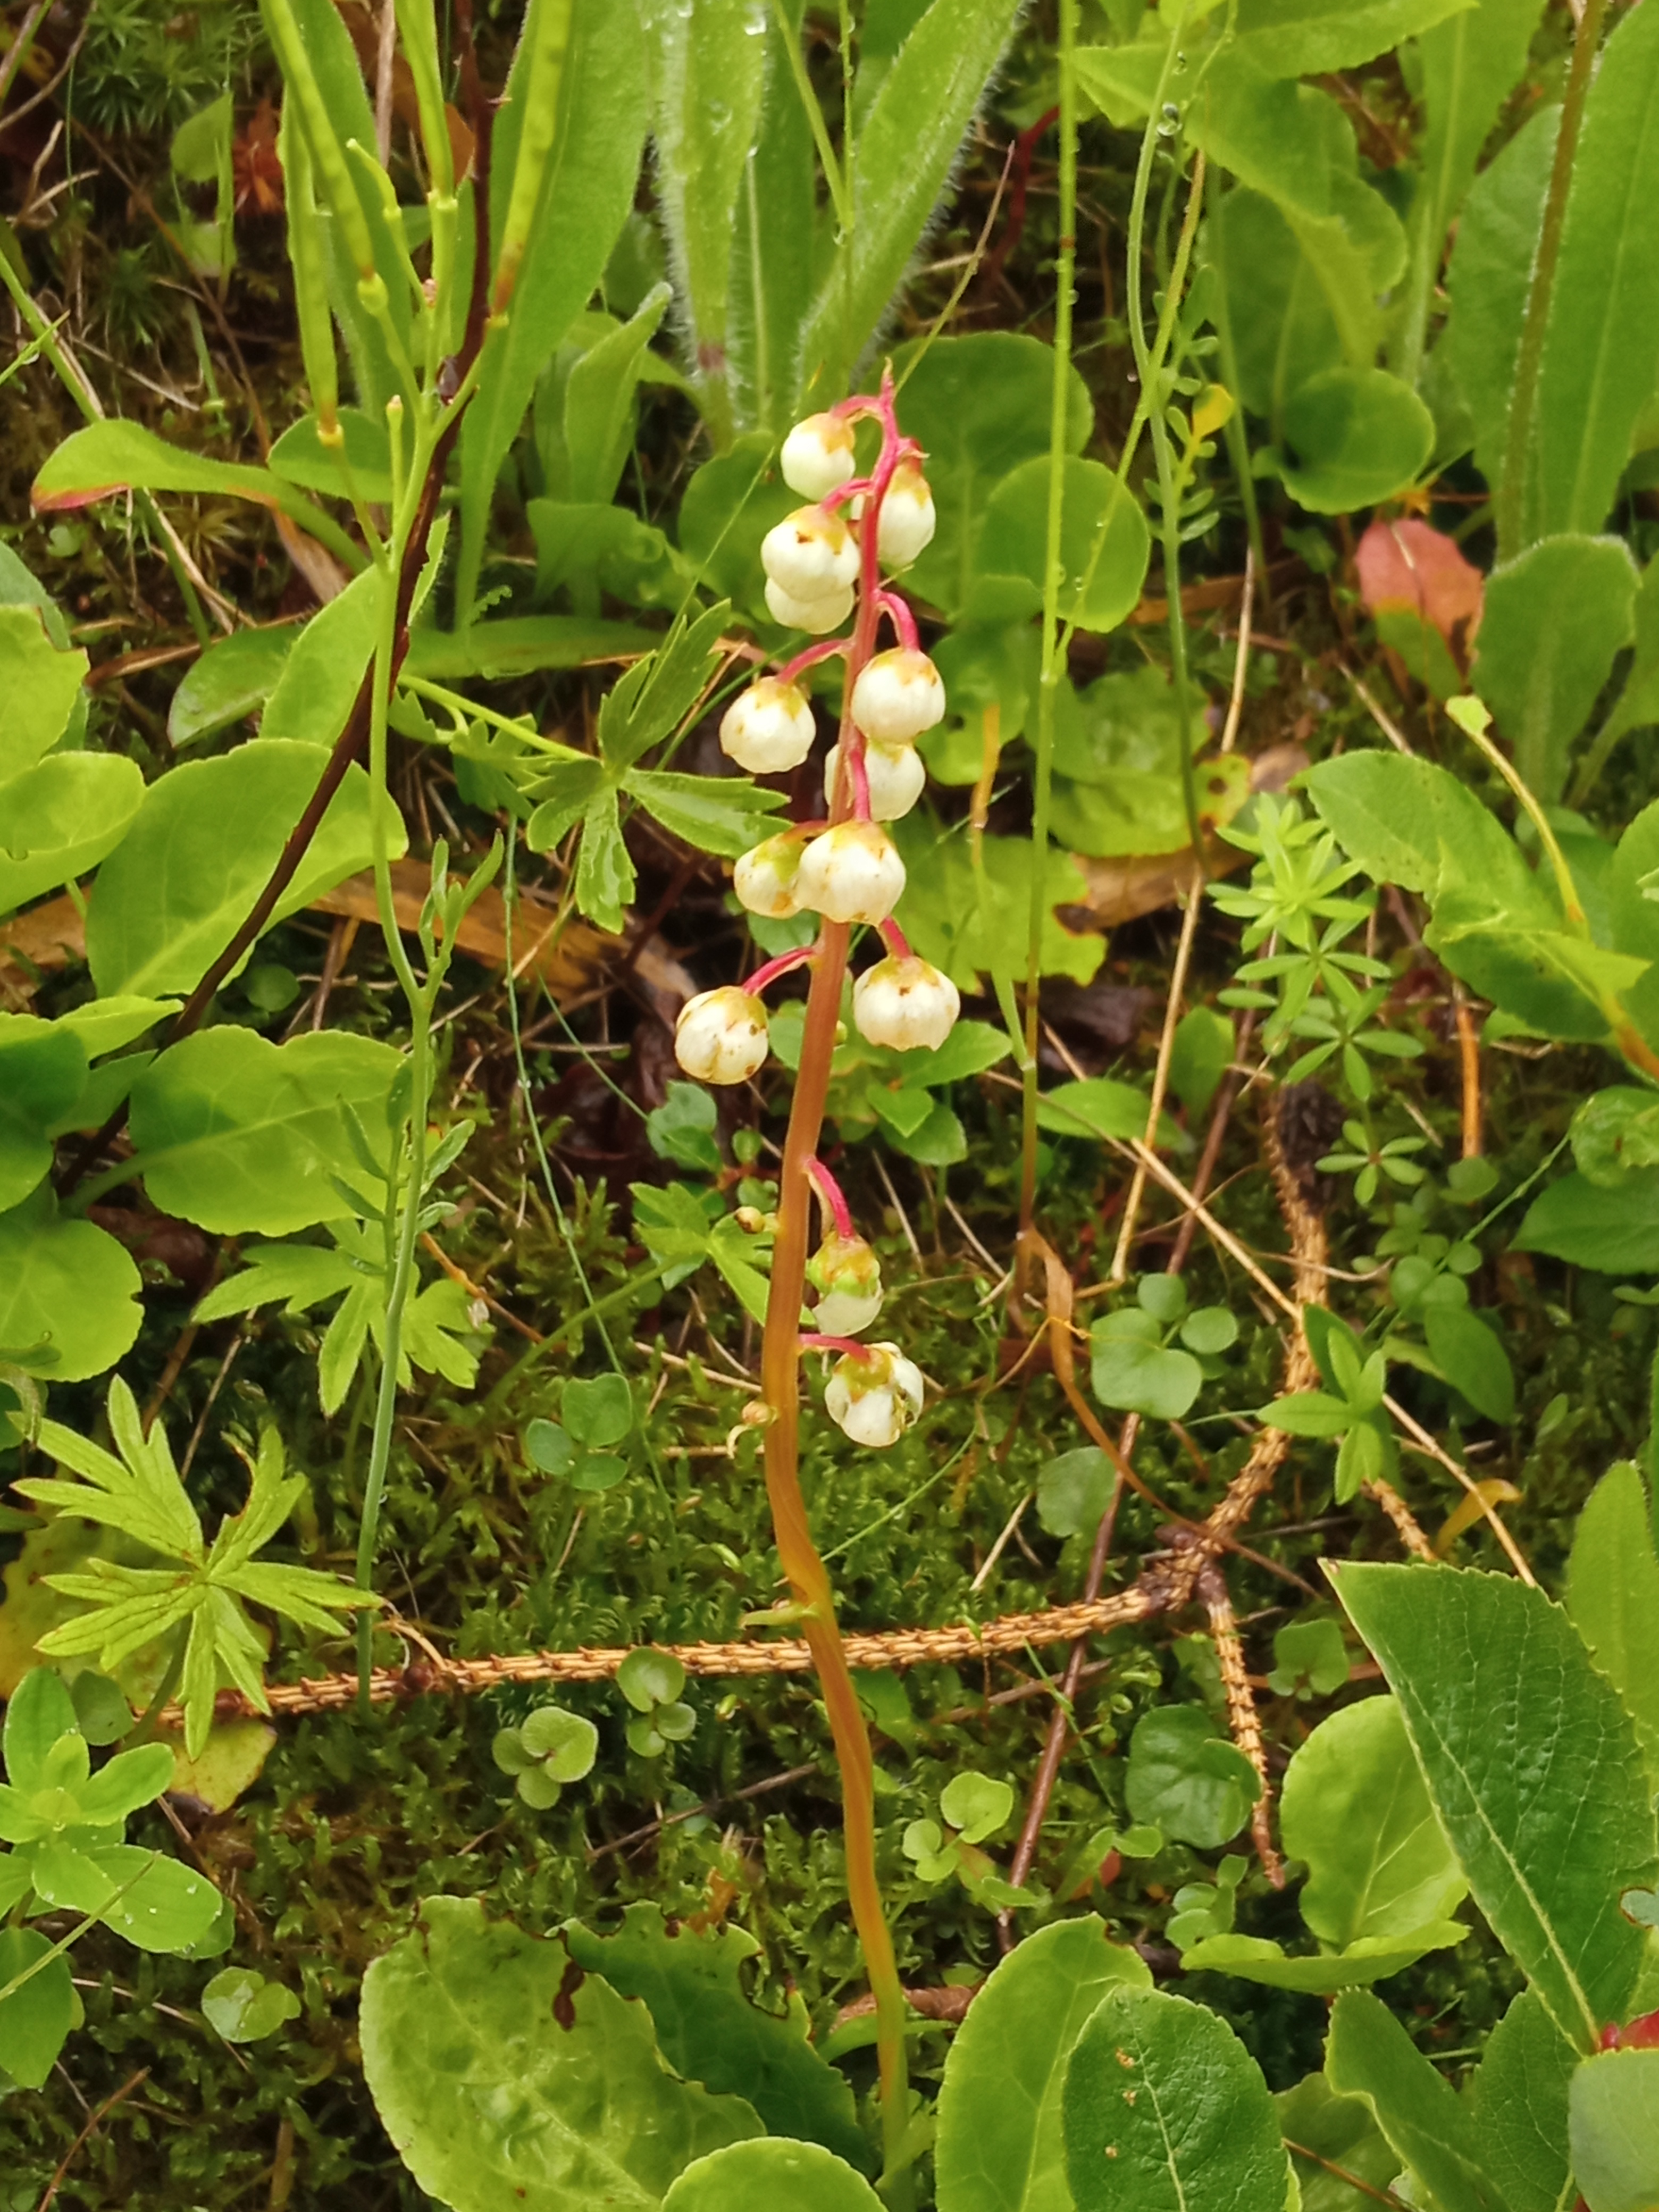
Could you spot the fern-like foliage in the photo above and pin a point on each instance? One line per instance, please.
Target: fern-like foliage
(202, 1591)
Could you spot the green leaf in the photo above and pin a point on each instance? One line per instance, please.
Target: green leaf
(566, 1744)
(709, 72)
(1311, 1659)
(1096, 1106)
(1588, 1226)
(1104, 543)
(154, 1903)
(1202, 1049)
(1356, 1810)
(1282, 326)
(323, 670)
(68, 1294)
(605, 874)
(901, 164)
(1339, 2131)
(1472, 1359)
(730, 504)
(1614, 2130)
(236, 1133)
(1185, 1779)
(999, 2146)
(171, 897)
(1322, 1973)
(759, 2177)
(295, 1276)
(660, 689)
(301, 456)
(564, 791)
(34, 2020)
(964, 924)
(599, 1411)
(123, 1784)
(598, 399)
(977, 1805)
(647, 1678)
(1310, 1414)
(1073, 1491)
(519, 646)
(1352, 437)
(715, 814)
(1488, 278)
(709, 2030)
(979, 405)
(682, 1129)
(1613, 1597)
(1555, 620)
(1370, 2055)
(60, 818)
(1533, 1767)
(245, 2008)
(117, 455)
(38, 1712)
(1142, 1378)
(1312, 38)
(502, 2077)
(586, 199)
(41, 685)
(1603, 328)
(43, 1071)
(1518, 2100)
(1165, 2108)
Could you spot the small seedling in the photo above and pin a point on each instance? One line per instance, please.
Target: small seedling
(543, 1752)
(651, 1682)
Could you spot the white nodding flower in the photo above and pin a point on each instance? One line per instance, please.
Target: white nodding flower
(904, 1002)
(720, 1035)
(847, 1275)
(874, 1395)
(817, 456)
(769, 728)
(810, 555)
(817, 618)
(765, 879)
(897, 696)
(907, 518)
(851, 873)
(895, 773)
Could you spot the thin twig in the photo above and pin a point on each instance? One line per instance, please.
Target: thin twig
(116, 2096)
(1160, 1079)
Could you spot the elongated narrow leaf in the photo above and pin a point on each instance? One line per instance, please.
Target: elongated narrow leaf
(900, 166)
(1613, 1595)
(503, 2077)
(586, 197)
(1371, 2056)
(1517, 2098)
(772, 251)
(1000, 2147)
(1165, 2109)
(38, 1712)
(1603, 331)
(119, 456)
(1533, 1767)
(1555, 619)
(34, 2020)
(1310, 37)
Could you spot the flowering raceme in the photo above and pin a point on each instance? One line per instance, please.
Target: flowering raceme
(829, 558)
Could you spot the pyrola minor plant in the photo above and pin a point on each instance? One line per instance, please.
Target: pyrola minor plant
(825, 562)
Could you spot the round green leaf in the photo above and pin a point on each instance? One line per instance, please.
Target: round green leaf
(567, 1743)
(102, 1712)
(245, 2007)
(1185, 1779)
(1353, 436)
(69, 1295)
(538, 1788)
(509, 1752)
(595, 1472)
(1104, 541)
(644, 1738)
(62, 817)
(766, 2175)
(599, 1411)
(1140, 1378)
(1165, 2108)
(1470, 1358)
(547, 1446)
(1163, 1297)
(1210, 1330)
(975, 1805)
(648, 1677)
(1074, 1490)
(676, 1721)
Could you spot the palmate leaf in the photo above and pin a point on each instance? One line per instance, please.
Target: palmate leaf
(140, 1493)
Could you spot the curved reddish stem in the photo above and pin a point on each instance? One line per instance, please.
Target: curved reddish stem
(894, 939)
(845, 1345)
(897, 611)
(860, 776)
(810, 657)
(786, 963)
(833, 1196)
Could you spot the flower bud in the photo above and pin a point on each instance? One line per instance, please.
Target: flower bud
(847, 1275)
(817, 618)
(874, 1395)
(817, 456)
(765, 879)
(907, 518)
(851, 873)
(769, 728)
(810, 555)
(897, 696)
(905, 1003)
(895, 773)
(720, 1035)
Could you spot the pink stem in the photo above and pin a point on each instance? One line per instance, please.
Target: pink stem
(897, 611)
(894, 939)
(860, 776)
(783, 965)
(810, 657)
(842, 1344)
(833, 1196)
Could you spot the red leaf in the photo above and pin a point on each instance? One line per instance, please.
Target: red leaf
(1406, 567)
